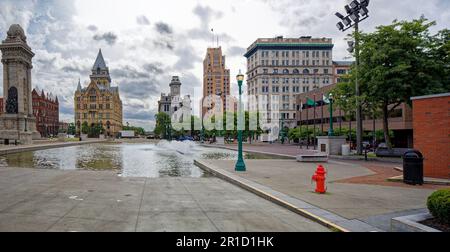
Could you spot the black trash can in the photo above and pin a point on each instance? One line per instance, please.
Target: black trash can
(413, 167)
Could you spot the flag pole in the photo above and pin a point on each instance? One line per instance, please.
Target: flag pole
(314, 124)
(307, 125)
(321, 119)
(300, 127)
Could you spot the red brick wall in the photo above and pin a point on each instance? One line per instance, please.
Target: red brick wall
(431, 123)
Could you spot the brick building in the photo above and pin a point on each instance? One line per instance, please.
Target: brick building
(400, 120)
(1, 105)
(431, 123)
(46, 111)
(216, 80)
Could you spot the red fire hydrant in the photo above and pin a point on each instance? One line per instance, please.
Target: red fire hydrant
(319, 178)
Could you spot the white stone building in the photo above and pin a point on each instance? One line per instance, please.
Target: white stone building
(281, 68)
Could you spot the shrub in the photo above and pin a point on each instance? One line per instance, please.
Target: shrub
(439, 205)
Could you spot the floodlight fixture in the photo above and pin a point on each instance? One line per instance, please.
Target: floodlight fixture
(354, 16)
(354, 5)
(347, 21)
(364, 11)
(339, 15)
(348, 9)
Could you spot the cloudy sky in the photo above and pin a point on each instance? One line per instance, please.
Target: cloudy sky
(145, 42)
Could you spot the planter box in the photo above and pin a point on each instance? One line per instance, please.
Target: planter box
(411, 223)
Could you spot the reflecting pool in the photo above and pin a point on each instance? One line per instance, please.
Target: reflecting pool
(164, 159)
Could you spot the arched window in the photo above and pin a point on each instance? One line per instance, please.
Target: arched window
(98, 70)
(306, 71)
(285, 71)
(295, 71)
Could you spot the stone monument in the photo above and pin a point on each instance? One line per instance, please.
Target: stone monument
(17, 123)
(331, 145)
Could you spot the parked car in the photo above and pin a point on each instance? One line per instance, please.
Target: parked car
(185, 138)
(384, 151)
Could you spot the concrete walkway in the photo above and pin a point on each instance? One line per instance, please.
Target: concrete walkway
(54, 200)
(369, 203)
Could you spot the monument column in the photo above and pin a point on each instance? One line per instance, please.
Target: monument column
(17, 123)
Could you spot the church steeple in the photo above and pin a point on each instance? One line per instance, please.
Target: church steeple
(100, 72)
(99, 62)
(79, 86)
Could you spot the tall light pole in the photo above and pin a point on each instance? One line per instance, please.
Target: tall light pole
(356, 12)
(331, 130)
(240, 165)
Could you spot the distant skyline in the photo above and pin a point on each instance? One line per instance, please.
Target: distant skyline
(146, 42)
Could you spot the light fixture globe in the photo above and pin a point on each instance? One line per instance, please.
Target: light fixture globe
(240, 77)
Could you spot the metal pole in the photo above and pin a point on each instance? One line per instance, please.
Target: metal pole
(359, 128)
(374, 131)
(240, 165)
(307, 126)
(314, 124)
(300, 129)
(321, 117)
(330, 132)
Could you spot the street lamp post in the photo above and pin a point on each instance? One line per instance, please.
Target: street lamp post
(356, 12)
(240, 165)
(331, 131)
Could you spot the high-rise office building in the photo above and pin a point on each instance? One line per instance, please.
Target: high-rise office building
(216, 80)
(281, 68)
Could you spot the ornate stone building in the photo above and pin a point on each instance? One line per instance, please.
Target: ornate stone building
(165, 102)
(99, 102)
(173, 102)
(46, 111)
(17, 123)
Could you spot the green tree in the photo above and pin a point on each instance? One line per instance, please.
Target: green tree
(85, 128)
(71, 129)
(399, 61)
(162, 123)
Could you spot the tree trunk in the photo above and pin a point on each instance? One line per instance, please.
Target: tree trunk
(387, 137)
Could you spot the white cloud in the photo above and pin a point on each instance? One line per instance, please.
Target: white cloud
(143, 55)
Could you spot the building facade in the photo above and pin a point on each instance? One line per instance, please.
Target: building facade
(46, 111)
(216, 81)
(174, 102)
(165, 102)
(340, 70)
(318, 118)
(99, 103)
(431, 123)
(281, 68)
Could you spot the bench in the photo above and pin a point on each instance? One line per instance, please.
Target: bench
(312, 158)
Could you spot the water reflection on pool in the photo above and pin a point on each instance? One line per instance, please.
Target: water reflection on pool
(175, 159)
